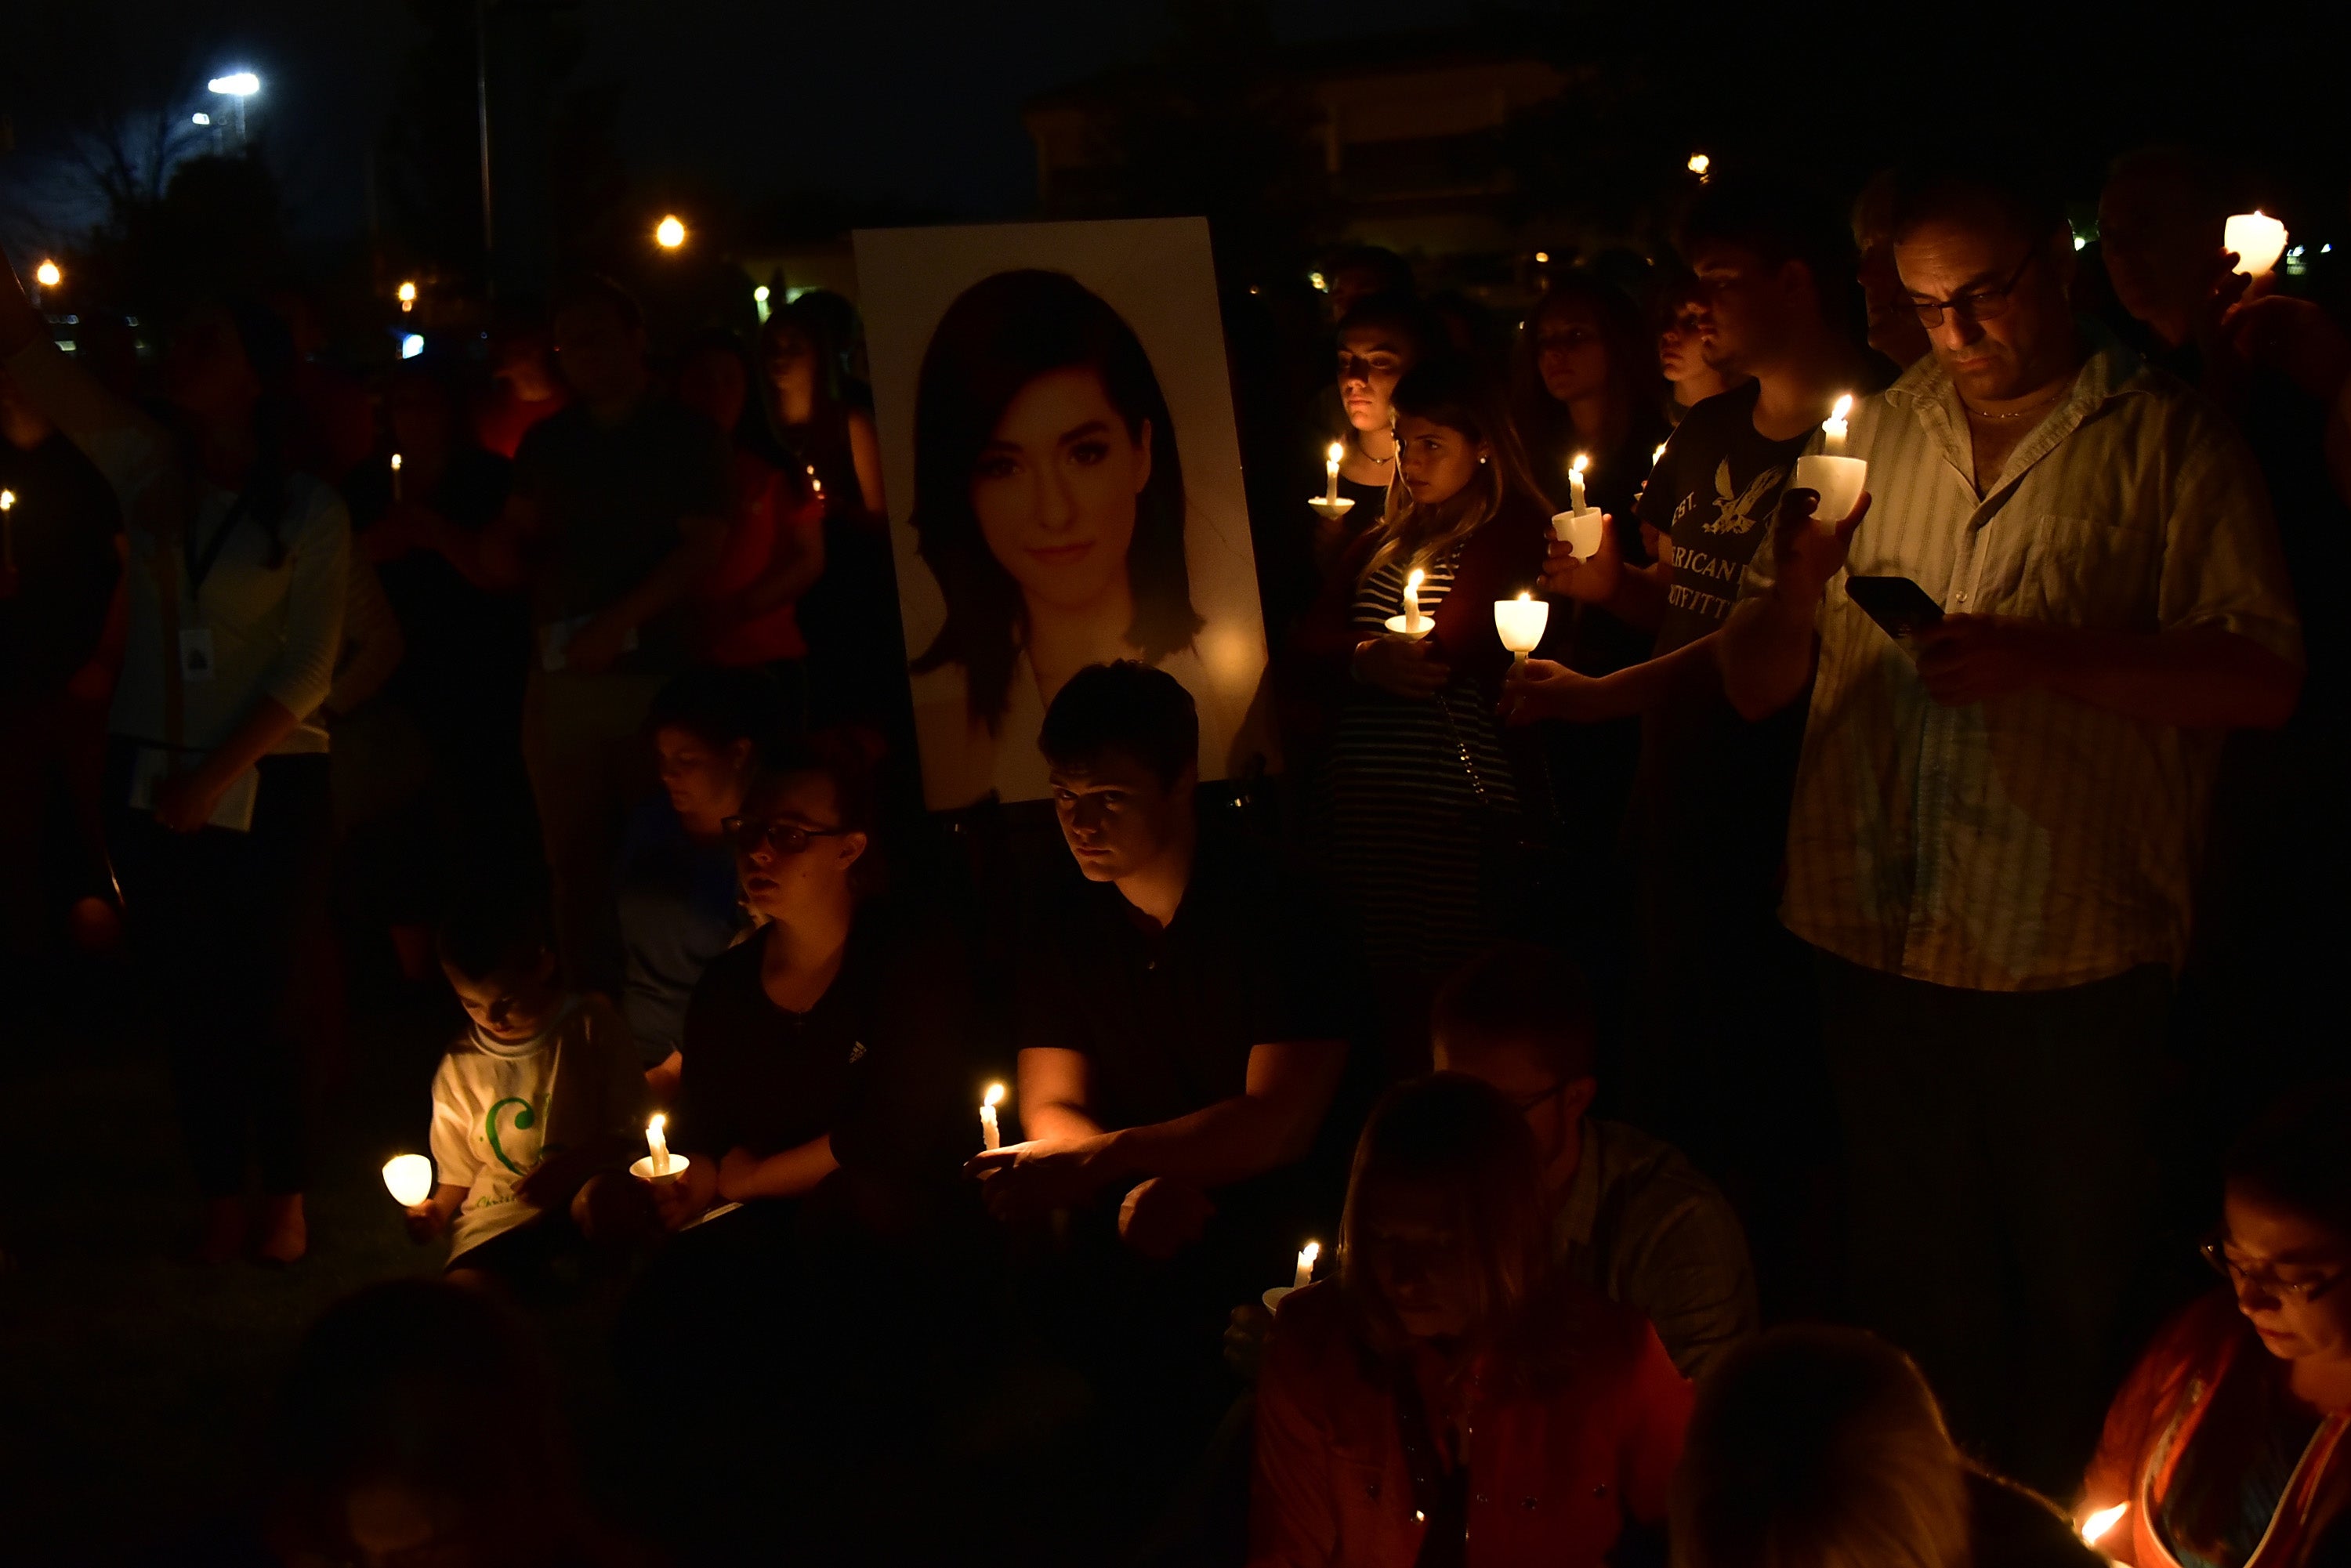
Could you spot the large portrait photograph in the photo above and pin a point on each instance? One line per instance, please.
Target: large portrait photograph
(1065, 485)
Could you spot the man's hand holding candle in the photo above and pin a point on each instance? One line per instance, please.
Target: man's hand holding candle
(1541, 689)
(1591, 580)
(1806, 554)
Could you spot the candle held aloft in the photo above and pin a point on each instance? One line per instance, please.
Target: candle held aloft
(1837, 479)
(1521, 623)
(1329, 504)
(1306, 1256)
(1575, 482)
(409, 1179)
(2258, 240)
(989, 1134)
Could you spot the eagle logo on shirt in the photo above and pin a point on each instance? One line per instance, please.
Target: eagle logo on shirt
(1735, 514)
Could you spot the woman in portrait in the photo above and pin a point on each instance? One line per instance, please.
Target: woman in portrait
(1049, 504)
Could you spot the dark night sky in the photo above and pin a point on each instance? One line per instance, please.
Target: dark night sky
(893, 99)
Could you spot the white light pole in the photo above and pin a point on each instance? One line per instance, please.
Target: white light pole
(239, 85)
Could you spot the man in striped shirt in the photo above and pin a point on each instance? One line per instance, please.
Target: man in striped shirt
(1997, 822)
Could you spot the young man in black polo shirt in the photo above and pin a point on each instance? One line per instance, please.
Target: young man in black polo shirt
(1182, 1019)
(1183, 1008)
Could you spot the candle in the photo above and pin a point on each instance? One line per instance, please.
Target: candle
(1832, 428)
(409, 1179)
(1575, 481)
(1658, 456)
(988, 1133)
(395, 476)
(2257, 239)
(8, 529)
(1331, 467)
(1519, 622)
(2095, 1527)
(658, 1142)
(1412, 601)
(1306, 1256)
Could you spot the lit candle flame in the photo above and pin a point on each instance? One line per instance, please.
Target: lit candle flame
(1310, 1252)
(395, 461)
(7, 499)
(1844, 406)
(1657, 454)
(1413, 579)
(1525, 594)
(1700, 163)
(2105, 1519)
(1583, 461)
(994, 1095)
(670, 232)
(1337, 452)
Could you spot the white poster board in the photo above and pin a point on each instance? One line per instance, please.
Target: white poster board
(1029, 382)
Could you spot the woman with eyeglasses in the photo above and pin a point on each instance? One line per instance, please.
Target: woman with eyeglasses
(2226, 1447)
(1448, 1399)
(820, 1055)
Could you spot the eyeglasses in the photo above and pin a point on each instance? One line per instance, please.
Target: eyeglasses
(1526, 1102)
(750, 835)
(1979, 305)
(2215, 1252)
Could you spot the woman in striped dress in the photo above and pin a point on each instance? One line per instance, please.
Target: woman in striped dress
(1402, 820)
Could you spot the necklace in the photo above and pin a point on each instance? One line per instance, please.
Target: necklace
(1975, 412)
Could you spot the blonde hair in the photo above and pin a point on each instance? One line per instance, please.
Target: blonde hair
(1819, 1448)
(1451, 393)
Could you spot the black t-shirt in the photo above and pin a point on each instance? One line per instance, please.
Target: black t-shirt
(610, 502)
(1713, 493)
(877, 1063)
(61, 535)
(1166, 1018)
(1715, 788)
(464, 647)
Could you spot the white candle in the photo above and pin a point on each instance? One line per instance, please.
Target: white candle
(1412, 600)
(988, 1133)
(8, 529)
(1832, 428)
(658, 1142)
(1331, 467)
(2257, 239)
(1306, 1256)
(1519, 622)
(1575, 482)
(409, 1179)
(395, 476)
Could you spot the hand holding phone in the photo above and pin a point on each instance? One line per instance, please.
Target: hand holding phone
(1899, 606)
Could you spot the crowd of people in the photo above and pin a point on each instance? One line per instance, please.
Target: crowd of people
(1848, 921)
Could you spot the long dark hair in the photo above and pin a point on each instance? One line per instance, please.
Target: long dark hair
(1633, 380)
(999, 335)
(756, 431)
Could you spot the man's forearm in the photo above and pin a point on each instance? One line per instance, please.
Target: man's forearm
(1637, 688)
(1765, 649)
(1229, 1141)
(2202, 678)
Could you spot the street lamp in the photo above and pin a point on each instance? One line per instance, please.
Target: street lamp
(240, 86)
(47, 275)
(670, 232)
(408, 297)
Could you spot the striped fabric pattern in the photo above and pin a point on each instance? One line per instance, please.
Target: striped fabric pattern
(1401, 823)
(2030, 842)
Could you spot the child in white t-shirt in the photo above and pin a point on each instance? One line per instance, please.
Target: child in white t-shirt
(538, 1097)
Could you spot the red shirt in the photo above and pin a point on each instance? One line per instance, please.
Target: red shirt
(768, 516)
(1554, 1472)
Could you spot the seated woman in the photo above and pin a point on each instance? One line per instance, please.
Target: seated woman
(1823, 1448)
(1447, 1399)
(823, 1057)
(2225, 1446)
(679, 907)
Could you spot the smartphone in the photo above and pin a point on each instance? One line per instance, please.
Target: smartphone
(1899, 606)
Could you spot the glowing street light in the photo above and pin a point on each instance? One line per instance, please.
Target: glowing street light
(47, 275)
(670, 232)
(1700, 163)
(759, 300)
(199, 117)
(408, 297)
(239, 85)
